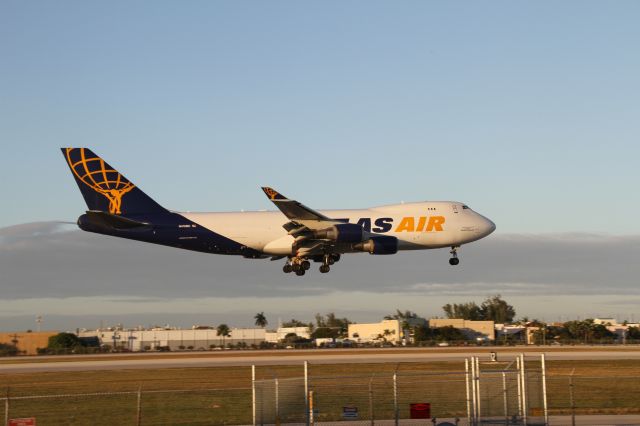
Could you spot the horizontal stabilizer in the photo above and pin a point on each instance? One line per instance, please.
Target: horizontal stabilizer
(100, 218)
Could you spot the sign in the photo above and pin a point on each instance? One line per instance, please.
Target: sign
(27, 421)
(349, 412)
(421, 411)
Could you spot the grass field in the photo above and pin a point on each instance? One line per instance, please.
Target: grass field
(222, 395)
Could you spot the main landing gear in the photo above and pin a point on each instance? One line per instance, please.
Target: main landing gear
(327, 261)
(454, 256)
(301, 265)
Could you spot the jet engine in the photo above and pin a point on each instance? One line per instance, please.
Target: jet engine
(379, 244)
(342, 233)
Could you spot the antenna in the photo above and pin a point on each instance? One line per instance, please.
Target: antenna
(38, 322)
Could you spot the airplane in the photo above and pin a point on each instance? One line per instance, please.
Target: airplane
(296, 232)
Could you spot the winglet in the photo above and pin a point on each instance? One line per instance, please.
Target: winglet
(273, 194)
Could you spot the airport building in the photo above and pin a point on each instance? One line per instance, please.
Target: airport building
(175, 339)
(281, 333)
(613, 326)
(27, 342)
(384, 331)
(471, 329)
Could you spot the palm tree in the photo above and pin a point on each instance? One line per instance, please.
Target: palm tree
(261, 320)
(224, 331)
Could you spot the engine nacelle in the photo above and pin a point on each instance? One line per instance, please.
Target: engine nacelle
(342, 233)
(379, 244)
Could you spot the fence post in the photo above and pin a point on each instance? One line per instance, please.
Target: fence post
(371, 401)
(306, 389)
(253, 393)
(6, 408)
(139, 406)
(525, 408)
(466, 379)
(544, 389)
(519, 380)
(478, 390)
(277, 383)
(396, 412)
(504, 397)
(311, 419)
(473, 390)
(572, 402)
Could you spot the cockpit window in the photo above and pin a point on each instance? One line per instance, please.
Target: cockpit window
(465, 207)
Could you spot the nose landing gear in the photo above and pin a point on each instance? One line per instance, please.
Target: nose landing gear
(454, 256)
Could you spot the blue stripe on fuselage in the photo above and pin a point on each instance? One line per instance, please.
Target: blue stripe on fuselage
(174, 230)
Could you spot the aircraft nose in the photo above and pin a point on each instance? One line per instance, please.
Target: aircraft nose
(487, 226)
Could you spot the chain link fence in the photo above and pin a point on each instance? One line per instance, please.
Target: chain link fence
(140, 407)
(512, 392)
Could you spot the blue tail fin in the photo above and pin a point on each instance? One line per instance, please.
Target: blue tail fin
(104, 188)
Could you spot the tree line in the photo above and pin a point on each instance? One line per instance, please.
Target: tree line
(329, 325)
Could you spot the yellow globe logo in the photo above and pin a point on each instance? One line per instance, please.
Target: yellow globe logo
(99, 176)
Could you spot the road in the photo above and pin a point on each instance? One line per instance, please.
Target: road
(293, 357)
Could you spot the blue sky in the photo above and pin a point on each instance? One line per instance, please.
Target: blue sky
(529, 112)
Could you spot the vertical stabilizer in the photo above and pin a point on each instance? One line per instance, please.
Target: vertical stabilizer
(104, 188)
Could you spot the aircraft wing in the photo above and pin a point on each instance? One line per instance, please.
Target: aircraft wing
(302, 218)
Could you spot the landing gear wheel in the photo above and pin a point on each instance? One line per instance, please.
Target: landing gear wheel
(305, 265)
(287, 268)
(454, 256)
(335, 257)
(296, 267)
(331, 260)
(325, 268)
(300, 272)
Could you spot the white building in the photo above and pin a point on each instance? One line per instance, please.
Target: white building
(612, 325)
(282, 332)
(137, 340)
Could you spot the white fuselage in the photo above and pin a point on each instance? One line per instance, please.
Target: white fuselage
(418, 226)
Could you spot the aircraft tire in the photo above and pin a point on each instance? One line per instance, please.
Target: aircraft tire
(324, 269)
(296, 267)
(454, 261)
(300, 272)
(305, 265)
(287, 268)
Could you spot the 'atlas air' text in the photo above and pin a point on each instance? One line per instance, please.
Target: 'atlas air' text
(382, 225)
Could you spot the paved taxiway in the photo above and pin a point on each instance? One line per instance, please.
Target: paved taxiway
(293, 357)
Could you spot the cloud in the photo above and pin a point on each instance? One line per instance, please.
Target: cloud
(53, 262)
(50, 260)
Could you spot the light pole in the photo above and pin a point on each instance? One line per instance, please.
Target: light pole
(115, 337)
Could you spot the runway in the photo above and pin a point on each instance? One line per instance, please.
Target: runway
(296, 357)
